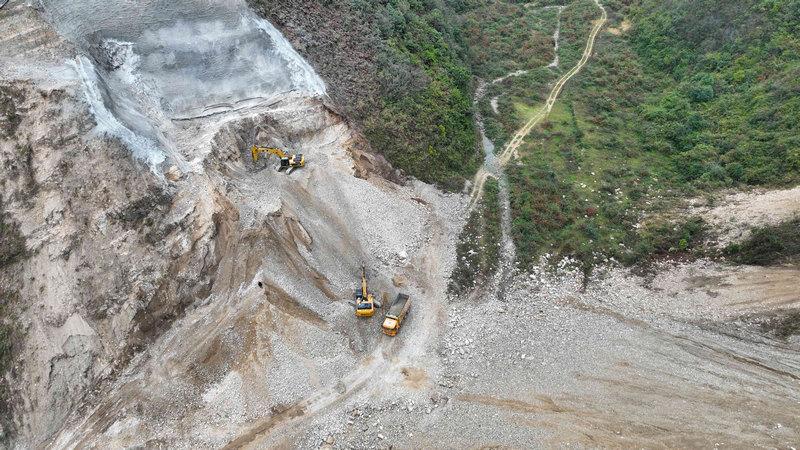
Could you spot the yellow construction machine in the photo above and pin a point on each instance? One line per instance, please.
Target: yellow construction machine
(396, 314)
(288, 161)
(364, 301)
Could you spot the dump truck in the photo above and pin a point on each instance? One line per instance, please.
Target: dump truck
(396, 314)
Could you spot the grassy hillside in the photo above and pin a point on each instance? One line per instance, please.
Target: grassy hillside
(680, 99)
(397, 69)
(727, 106)
(504, 37)
(520, 25)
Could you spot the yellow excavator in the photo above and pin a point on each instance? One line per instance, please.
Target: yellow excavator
(364, 300)
(288, 161)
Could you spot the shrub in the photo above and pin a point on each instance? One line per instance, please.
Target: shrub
(478, 248)
(769, 245)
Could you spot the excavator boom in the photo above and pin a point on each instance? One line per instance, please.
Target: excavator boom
(257, 151)
(364, 292)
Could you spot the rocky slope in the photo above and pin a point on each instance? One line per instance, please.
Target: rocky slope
(161, 290)
(108, 250)
(150, 237)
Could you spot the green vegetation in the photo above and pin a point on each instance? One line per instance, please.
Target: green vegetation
(681, 99)
(12, 243)
(424, 127)
(710, 87)
(478, 249)
(554, 212)
(726, 101)
(771, 245)
(586, 182)
(517, 98)
(783, 324)
(505, 37)
(428, 132)
(577, 20)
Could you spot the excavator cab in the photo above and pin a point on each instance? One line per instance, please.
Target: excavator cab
(292, 162)
(365, 309)
(365, 306)
(364, 300)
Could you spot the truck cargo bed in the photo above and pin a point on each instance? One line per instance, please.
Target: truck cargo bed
(398, 305)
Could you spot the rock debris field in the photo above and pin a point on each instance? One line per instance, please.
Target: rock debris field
(178, 295)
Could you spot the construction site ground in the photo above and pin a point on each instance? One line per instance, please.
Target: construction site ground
(273, 356)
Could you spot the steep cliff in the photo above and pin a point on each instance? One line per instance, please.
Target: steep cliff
(105, 249)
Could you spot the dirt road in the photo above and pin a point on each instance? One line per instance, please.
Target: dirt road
(513, 145)
(390, 358)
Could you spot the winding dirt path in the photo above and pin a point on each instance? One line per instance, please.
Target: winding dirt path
(511, 149)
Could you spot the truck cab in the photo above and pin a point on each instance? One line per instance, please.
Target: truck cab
(390, 326)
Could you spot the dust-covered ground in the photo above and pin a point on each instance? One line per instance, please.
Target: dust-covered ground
(174, 294)
(669, 359)
(735, 214)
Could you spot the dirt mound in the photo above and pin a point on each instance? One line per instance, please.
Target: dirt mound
(736, 214)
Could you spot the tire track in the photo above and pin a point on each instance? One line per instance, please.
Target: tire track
(390, 354)
(511, 149)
